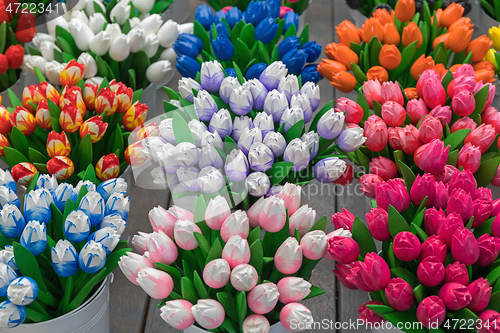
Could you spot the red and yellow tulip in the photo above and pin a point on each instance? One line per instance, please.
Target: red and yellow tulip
(60, 166)
(89, 92)
(43, 115)
(95, 127)
(71, 74)
(107, 167)
(24, 120)
(49, 92)
(6, 120)
(58, 144)
(73, 96)
(70, 119)
(150, 129)
(134, 154)
(105, 102)
(123, 97)
(33, 95)
(23, 173)
(135, 116)
(3, 143)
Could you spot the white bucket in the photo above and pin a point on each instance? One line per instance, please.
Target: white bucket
(486, 22)
(276, 328)
(17, 88)
(180, 10)
(91, 316)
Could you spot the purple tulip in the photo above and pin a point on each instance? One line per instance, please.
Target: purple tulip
(212, 75)
(276, 142)
(226, 88)
(264, 122)
(260, 157)
(248, 138)
(241, 100)
(204, 106)
(275, 104)
(272, 75)
(221, 123)
(236, 166)
(259, 93)
(239, 125)
(290, 117)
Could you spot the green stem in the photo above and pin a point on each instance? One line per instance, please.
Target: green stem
(39, 308)
(36, 316)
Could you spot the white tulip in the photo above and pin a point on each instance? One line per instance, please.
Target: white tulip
(76, 4)
(57, 21)
(134, 22)
(100, 43)
(120, 13)
(144, 6)
(186, 28)
(81, 33)
(144, 16)
(90, 65)
(114, 30)
(158, 71)
(79, 15)
(151, 24)
(89, 7)
(168, 33)
(96, 81)
(53, 69)
(169, 54)
(36, 61)
(41, 37)
(96, 22)
(120, 48)
(137, 38)
(151, 45)
(47, 49)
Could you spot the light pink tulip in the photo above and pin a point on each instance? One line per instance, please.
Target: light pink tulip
(161, 248)
(131, 264)
(236, 224)
(217, 212)
(393, 113)
(293, 289)
(177, 313)
(208, 313)
(236, 251)
(291, 194)
(184, 234)
(256, 323)
(314, 244)
(288, 258)
(263, 298)
(375, 131)
(391, 91)
(463, 123)
(372, 89)
(162, 219)
(157, 284)
(140, 241)
(368, 182)
(416, 109)
(353, 111)
(254, 212)
(244, 277)
(410, 139)
(216, 273)
(429, 129)
(273, 214)
(303, 220)
(428, 74)
(294, 313)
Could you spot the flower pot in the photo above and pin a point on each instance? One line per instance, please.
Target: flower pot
(91, 316)
(180, 10)
(486, 22)
(17, 88)
(276, 328)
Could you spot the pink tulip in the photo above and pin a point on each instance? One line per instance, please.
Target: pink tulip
(140, 241)
(184, 234)
(432, 157)
(410, 139)
(433, 246)
(441, 198)
(216, 273)
(487, 114)
(494, 120)
(314, 244)
(290, 194)
(391, 91)
(157, 284)
(469, 157)
(217, 212)
(442, 113)
(394, 135)
(456, 272)
(496, 207)
(431, 312)
(480, 291)
(289, 317)
(236, 251)
(428, 74)
(464, 247)
(463, 123)
(495, 227)
(288, 257)
(384, 167)
(375, 271)
(464, 180)
(161, 248)
(355, 278)
(483, 193)
(273, 214)
(284, 10)
(460, 202)
(343, 220)
(489, 247)
(433, 93)
(263, 298)
(343, 249)
(256, 322)
(446, 175)
(452, 223)
(341, 273)
(406, 246)
(293, 289)
(368, 182)
(226, 9)
(464, 70)
(372, 89)
(208, 313)
(131, 264)
(461, 83)
(367, 315)
(416, 109)
(399, 294)
(433, 218)
(236, 224)
(162, 219)
(336, 233)
(177, 313)
(482, 137)
(455, 296)
(353, 111)
(254, 213)
(430, 271)
(423, 186)
(482, 211)
(244, 277)
(377, 221)
(375, 131)
(463, 103)
(429, 129)
(496, 178)
(489, 322)
(392, 192)
(302, 220)
(393, 113)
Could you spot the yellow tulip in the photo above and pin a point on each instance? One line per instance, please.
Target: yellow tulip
(490, 56)
(495, 37)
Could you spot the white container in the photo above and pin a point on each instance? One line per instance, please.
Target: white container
(92, 317)
(486, 22)
(276, 328)
(180, 10)
(17, 88)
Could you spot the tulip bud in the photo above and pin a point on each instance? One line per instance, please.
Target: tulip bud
(482, 137)
(392, 192)
(235, 224)
(343, 249)
(391, 91)
(464, 247)
(455, 296)
(131, 263)
(487, 319)
(183, 234)
(156, 283)
(314, 244)
(431, 271)
(488, 250)
(434, 151)
(244, 277)
(416, 109)
(480, 291)
(384, 168)
(406, 246)
(374, 271)
(293, 289)
(399, 294)
(216, 273)
(431, 312)
(177, 313)
(263, 298)
(460, 202)
(303, 220)
(298, 153)
(77, 226)
(236, 165)
(236, 251)
(257, 184)
(429, 129)
(368, 183)
(433, 246)
(291, 117)
(34, 237)
(330, 124)
(377, 221)
(446, 229)
(329, 169)
(161, 248)
(376, 133)
(107, 167)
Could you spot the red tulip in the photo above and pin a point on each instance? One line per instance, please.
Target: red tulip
(15, 56)
(489, 247)
(343, 249)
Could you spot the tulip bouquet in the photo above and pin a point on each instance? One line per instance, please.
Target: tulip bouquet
(401, 45)
(438, 264)
(224, 135)
(367, 8)
(62, 133)
(282, 6)
(213, 268)
(250, 39)
(62, 244)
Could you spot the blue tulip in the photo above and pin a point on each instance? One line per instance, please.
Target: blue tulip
(7, 275)
(187, 67)
(274, 8)
(294, 60)
(313, 50)
(107, 237)
(92, 205)
(7, 180)
(15, 314)
(12, 222)
(37, 206)
(7, 196)
(310, 74)
(266, 30)
(111, 186)
(221, 29)
(255, 70)
(92, 257)
(219, 16)
(188, 45)
(204, 16)
(48, 182)
(64, 258)
(61, 194)
(7, 257)
(288, 44)
(233, 16)
(77, 226)
(118, 204)
(230, 72)
(291, 18)
(88, 184)
(34, 237)
(256, 12)
(28, 294)
(223, 48)
(192, 39)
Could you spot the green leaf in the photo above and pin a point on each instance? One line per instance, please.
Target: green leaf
(363, 237)
(404, 317)
(294, 132)
(174, 274)
(28, 265)
(66, 36)
(325, 109)
(83, 294)
(406, 275)
(375, 47)
(397, 223)
(456, 138)
(215, 251)
(85, 152)
(3, 33)
(241, 306)
(229, 304)
(19, 141)
(188, 291)
(200, 208)
(248, 35)
(406, 59)
(487, 171)
(320, 225)
(279, 171)
(203, 243)
(358, 74)
(408, 175)
(481, 96)
(256, 255)
(200, 286)
(172, 94)
(420, 292)
(181, 129)
(315, 291)
(243, 52)
(494, 303)
(14, 101)
(13, 156)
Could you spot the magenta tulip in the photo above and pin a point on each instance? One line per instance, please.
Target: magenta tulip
(433, 246)
(464, 247)
(460, 202)
(375, 271)
(429, 129)
(392, 192)
(489, 247)
(464, 180)
(463, 123)
(423, 186)
(428, 74)
(447, 174)
(406, 246)
(430, 271)
(393, 113)
(483, 193)
(431, 312)
(482, 211)
(375, 131)
(463, 103)
(455, 296)
(456, 272)
(495, 227)
(483, 137)
(416, 109)
(372, 89)
(384, 167)
(469, 157)
(399, 294)
(452, 223)
(496, 207)
(433, 218)
(460, 83)
(441, 198)
(410, 139)
(368, 182)
(377, 221)
(480, 291)
(433, 93)
(391, 91)
(356, 279)
(489, 322)
(343, 220)
(367, 315)
(443, 114)
(432, 157)
(343, 249)
(341, 273)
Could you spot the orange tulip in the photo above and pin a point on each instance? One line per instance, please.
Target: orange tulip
(384, 16)
(342, 54)
(347, 33)
(443, 38)
(485, 75)
(411, 33)
(421, 65)
(459, 22)
(372, 28)
(391, 34)
(405, 10)
(459, 38)
(389, 57)
(437, 14)
(483, 65)
(343, 81)
(479, 47)
(379, 73)
(440, 69)
(451, 14)
(454, 68)
(328, 67)
(411, 93)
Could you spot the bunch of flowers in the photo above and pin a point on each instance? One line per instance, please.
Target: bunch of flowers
(367, 8)
(213, 268)
(282, 6)
(250, 39)
(62, 133)
(62, 244)
(444, 124)
(401, 45)
(227, 135)
(117, 43)
(438, 260)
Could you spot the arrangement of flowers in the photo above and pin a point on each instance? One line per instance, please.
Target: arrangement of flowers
(401, 45)
(282, 6)
(250, 39)
(367, 8)
(213, 268)
(63, 243)
(115, 42)
(63, 133)
(438, 260)
(224, 135)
